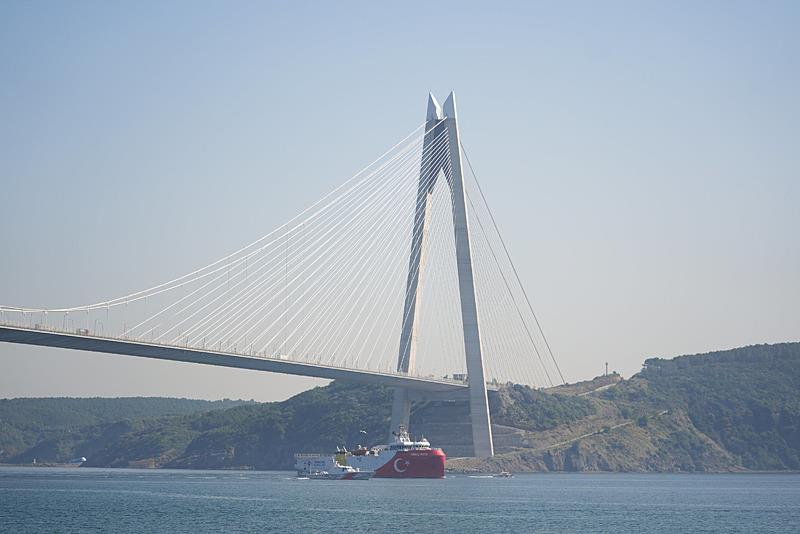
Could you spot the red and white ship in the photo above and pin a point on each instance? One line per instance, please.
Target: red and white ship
(402, 458)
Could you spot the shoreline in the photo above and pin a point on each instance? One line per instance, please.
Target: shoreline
(447, 471)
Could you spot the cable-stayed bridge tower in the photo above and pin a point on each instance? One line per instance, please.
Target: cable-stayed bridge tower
(398, 277)
(442, 120)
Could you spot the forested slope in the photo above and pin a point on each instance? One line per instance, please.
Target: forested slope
(722, 411)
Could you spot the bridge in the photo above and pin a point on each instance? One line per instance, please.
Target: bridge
(398, 277)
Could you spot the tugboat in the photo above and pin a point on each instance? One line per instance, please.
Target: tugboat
(401, 458)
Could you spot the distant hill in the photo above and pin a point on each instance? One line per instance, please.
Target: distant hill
(261, 436)
(50, 428)
(747, 400)
(723, 411)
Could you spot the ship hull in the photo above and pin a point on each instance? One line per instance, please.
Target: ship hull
(403, 464)
(339, 476)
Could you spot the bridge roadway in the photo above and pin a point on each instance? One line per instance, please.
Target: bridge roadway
(426, 387)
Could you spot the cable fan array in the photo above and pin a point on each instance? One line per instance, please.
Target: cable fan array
(515, 348)
(328, 287)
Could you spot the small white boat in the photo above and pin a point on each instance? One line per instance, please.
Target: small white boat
(339, 472)
(503, 474)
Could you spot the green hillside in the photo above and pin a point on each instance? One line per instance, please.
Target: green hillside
(723, 411)
(262, 436)
(50, 428)
(747, 400)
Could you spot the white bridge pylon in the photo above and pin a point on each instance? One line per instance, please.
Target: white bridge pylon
(398, 277)
(443, 121)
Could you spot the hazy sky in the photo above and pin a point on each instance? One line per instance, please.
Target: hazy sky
(642, 159)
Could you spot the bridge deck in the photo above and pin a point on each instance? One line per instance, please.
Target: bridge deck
(28, 336)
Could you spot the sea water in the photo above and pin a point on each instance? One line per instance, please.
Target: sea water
(124, 500)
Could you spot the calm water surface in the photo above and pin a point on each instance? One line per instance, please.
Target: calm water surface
(121, 500)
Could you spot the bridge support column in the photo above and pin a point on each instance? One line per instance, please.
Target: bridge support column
(478, 398)
(401, 410)
(441, 119)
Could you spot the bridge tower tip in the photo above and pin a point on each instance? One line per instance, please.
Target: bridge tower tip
(449, 106)
(434, 109)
